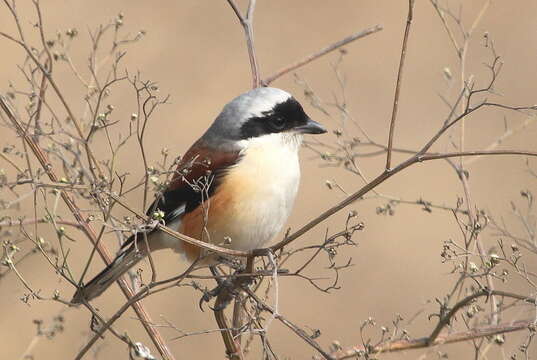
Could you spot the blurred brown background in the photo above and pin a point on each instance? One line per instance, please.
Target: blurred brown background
(195, 50)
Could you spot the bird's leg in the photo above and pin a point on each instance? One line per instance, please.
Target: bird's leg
(226, 289)
(222, 283)
(216, 273)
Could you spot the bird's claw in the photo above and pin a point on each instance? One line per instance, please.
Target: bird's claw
(224, 291)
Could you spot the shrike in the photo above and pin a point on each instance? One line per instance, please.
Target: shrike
(235, 187)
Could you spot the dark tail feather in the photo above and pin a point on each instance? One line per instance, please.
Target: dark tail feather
(121, 264)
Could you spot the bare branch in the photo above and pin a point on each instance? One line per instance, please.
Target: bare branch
(247, 24)
(20, 222)
(402, 345)
(377, 181)
(398, 83)
(103, 252)
(320, 53)
(301, 333)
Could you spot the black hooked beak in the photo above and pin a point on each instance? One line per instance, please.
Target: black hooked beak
(311, 127)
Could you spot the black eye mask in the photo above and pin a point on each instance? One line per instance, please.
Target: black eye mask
(284, 116)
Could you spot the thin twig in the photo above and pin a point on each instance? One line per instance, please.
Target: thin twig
(247, 25)
(508, 133)
(448, 29)
(398, 83)
(88, 230)
(320, 53)
(301, 333)
(8, 160)
(21, 222)
(93, 161)
(408, 344)
(377, 181)
(142, 293)
(461, 171)
(446, 319)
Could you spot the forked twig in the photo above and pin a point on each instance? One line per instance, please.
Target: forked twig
(88, 230)
(231, 334)
(290, 325)
(93, 163)
(435, 338)
(247, 25)
(420, 343)
(377, 181)
(130, 302)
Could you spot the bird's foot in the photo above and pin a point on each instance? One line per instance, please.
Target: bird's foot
(226, 290)
(224, 293)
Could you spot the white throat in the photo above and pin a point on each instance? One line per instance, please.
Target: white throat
(278, 142)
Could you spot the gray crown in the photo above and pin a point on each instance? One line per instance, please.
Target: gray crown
(254, 103)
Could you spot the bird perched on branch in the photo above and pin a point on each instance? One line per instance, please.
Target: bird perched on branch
(235, 187)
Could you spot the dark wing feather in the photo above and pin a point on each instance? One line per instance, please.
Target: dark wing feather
(196, 178)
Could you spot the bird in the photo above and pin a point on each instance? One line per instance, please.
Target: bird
(235, 187)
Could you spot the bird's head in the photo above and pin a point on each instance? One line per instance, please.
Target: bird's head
(262, 114)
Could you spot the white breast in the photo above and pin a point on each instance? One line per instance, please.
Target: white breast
(253, 201)
(264, 186)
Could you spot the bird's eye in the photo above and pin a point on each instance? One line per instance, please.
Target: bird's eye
(277, 123)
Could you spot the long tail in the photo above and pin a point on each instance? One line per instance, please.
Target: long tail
(126, 259)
